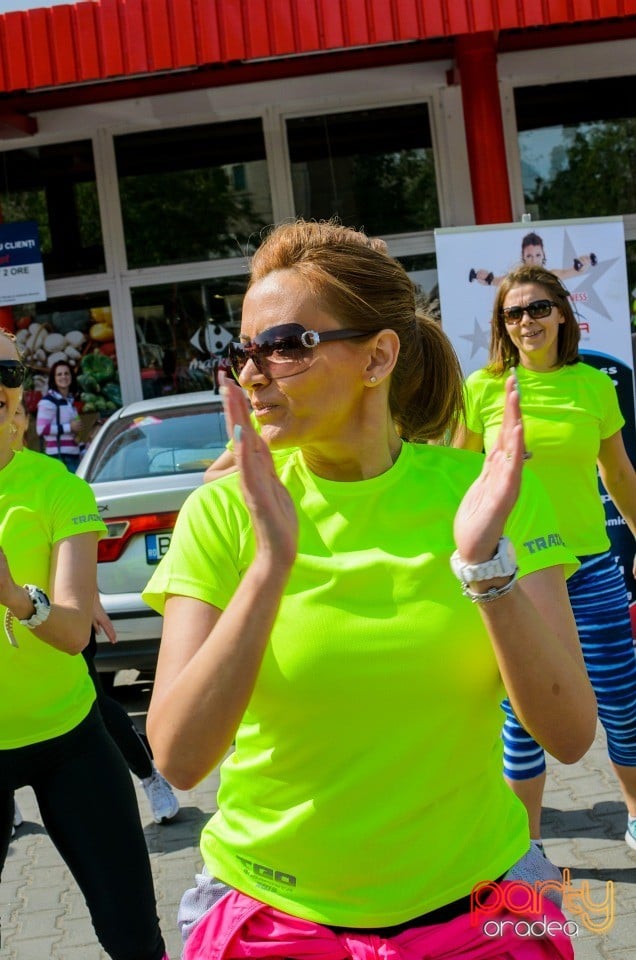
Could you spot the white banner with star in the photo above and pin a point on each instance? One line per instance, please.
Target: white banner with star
(588, 256)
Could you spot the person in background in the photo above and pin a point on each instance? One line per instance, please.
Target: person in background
(572, 425)
(133, 745)
(318, 593)
(52, 737)
(21, 425)
(57, 421)
(224, 464)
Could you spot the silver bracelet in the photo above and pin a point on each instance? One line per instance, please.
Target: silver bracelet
(493, 593)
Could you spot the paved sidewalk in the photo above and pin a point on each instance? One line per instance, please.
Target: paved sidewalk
(44, 917)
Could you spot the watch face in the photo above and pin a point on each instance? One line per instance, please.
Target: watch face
(41, 604)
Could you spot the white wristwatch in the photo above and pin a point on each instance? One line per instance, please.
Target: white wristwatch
(42, 608)
(503, 564)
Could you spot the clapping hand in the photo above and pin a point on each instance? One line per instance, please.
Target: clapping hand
(481, 516)
(270, 506)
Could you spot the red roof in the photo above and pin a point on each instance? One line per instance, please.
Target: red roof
(98, 40)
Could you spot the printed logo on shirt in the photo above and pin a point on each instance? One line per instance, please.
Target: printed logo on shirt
(267, 877)
(544, 543)
(87, 518)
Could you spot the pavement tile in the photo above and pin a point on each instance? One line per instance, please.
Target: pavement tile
(77, 932)
(31, 950)
(84, 952)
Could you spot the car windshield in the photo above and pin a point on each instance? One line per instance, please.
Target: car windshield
(159, 443)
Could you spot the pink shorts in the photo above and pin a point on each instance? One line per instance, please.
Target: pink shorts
(239, 927)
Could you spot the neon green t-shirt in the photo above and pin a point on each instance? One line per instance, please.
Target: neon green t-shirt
(566, 414)
(374, 725)
(43, 692)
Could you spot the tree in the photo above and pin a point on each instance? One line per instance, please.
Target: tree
(396, 192)
(185, 215)
(594, 175)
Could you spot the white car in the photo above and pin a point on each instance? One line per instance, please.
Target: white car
(142, 465)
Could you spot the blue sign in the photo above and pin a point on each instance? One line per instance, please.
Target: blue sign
(21, 270)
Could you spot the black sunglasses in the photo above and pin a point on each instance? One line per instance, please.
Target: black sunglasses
(537, 310)
(284, 351)
(12, 373)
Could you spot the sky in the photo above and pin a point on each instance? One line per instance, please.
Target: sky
(7, 6)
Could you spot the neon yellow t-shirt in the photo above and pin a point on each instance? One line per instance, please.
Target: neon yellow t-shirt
(375, 723)
(566, 414)
(43, 692)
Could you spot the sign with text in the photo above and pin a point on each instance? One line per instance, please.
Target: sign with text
(21, 270)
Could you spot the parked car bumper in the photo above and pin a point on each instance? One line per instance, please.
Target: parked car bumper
(138, 635)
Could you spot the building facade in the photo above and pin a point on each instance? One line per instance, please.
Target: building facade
(153, 142)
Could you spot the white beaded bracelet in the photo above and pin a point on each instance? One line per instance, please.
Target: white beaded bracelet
(8, 628)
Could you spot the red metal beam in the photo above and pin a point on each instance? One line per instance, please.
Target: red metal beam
(16, 125)
(477, 64)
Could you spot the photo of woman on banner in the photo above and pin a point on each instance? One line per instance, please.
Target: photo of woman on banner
(533, 254)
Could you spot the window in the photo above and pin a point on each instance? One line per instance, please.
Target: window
(372, 168)
(194, 193)
(77, 329)
(422, 269)
(185, 439)
(183, 331)
(578, 148)
(55, 186)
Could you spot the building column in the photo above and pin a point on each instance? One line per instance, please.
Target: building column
(476, 60)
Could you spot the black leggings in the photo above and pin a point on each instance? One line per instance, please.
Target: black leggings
(130, 741)
(89, 808)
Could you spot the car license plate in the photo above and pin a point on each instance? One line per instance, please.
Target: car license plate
(156, 546)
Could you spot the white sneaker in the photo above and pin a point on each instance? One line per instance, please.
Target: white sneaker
(163, 803)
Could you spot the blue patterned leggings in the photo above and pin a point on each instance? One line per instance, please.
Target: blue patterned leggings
(599, 602)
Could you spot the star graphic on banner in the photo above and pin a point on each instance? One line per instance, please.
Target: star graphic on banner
(479, 339)
(589, 279)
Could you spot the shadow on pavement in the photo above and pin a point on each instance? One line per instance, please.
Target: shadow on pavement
(626, 875)
(182, 833)
(605, 820)
(29, 828)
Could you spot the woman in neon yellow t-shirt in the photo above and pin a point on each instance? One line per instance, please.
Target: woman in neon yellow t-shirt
(572, 422)
(312, 615)
(52, 737)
